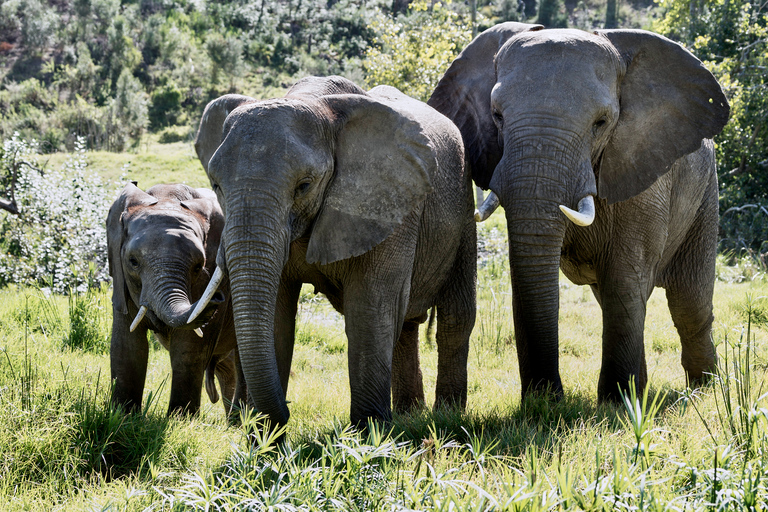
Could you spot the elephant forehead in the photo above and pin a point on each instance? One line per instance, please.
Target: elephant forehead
(558, 51)
(273, 138)
(164, 217)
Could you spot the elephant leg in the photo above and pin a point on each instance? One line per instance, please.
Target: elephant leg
(689, 280)
(240, 397)
(623, 299)
(128, 353)
(456, 311)
(285, 328)
(374, 311)
(226, 373)
(407, 384)
(189, 358)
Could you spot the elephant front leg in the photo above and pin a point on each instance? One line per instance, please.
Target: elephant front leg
(189, 358)
(624, 305)
(285, 327)
(374, 316)
(128, 353)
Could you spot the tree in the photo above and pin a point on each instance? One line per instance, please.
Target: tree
(412, 52)
(611, 14)
(552, 14)
(731, 37)
(226, 54)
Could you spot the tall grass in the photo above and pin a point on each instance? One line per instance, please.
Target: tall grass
(665, 448)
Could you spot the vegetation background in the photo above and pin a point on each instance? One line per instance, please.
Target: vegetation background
(96, 92)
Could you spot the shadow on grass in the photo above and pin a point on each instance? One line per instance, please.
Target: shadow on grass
(538, 421)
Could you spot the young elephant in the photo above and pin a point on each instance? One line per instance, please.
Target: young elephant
(162, 251)
(364, 195)
(616, 125)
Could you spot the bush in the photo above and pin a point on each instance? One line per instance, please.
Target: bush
(58, 240)
(165, 107)
(412, 52)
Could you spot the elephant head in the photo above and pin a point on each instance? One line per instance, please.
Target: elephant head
(553, 119)
(162, 251)
(328, 170)
(162, 247)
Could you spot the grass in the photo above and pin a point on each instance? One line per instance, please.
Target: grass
(65, 448)
(148, 164)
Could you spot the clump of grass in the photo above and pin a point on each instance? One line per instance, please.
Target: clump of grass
(88, 323)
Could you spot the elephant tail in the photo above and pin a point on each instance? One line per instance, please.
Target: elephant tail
(210, 384)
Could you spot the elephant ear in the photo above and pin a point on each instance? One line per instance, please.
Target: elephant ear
(383, 166)
(131, 196)
(211, 127)
(464, 96)
(669, 103)
(207, 205)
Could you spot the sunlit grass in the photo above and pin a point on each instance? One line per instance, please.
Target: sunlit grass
(66, 449)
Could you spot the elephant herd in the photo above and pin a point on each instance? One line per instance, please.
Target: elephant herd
(597, 146)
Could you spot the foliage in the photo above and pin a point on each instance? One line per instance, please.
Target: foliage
(412, 52)
(552, 14)
(86, 54)
(731, 37)
(58, 239)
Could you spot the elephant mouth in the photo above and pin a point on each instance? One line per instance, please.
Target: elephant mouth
(207, 316)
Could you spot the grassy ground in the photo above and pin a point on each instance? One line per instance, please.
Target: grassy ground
(148, 164)
(66, 450)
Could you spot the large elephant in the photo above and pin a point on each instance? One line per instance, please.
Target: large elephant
(613, 124)
(365, 196)
(162, 247)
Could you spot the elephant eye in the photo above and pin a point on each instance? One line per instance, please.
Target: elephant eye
(302, 187)
(133, 262)
(498, 118)
(599, 125)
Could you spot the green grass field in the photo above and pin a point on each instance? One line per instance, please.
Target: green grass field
(65, 449)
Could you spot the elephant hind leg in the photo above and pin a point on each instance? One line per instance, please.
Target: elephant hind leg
(456, 311)
(690, 282)
(407, 382)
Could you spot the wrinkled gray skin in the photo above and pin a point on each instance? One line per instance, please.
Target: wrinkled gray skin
(162, 251)
(363, 195)
(551, 116)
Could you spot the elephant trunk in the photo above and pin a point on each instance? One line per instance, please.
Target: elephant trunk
(256, 252)
(166, 295)
(532, 186)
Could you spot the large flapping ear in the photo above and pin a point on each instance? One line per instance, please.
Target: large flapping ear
(383, 168)
(131, 196)
(669, 103)
(318, 86)
(207, 205)
(211, 127)
(464, 96)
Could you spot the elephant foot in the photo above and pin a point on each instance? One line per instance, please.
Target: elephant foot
(547, 389)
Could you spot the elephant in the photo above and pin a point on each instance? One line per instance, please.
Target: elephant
(365, 196)
(597, 146)
(162, 247)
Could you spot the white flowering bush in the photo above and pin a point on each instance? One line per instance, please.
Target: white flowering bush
(58, 240)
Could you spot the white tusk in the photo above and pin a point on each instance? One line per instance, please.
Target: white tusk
(586, 214)
(199, 332)
(139, 317)
(213, 285)
(487, 208)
